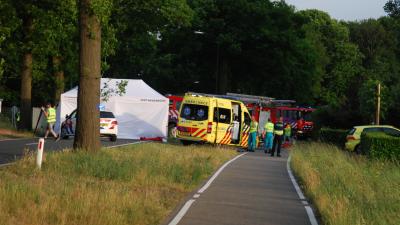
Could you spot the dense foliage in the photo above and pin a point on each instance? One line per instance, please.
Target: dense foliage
(257, 47)
(380, 146)
(333, 136)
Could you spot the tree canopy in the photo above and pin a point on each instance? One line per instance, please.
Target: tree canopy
(256, 47)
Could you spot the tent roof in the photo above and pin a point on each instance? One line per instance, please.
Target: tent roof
(135, 88)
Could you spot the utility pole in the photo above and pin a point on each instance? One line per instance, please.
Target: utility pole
(378, 104)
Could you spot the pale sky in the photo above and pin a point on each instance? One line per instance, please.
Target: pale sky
(349, 10)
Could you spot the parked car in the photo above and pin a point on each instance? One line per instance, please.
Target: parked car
(354, 135)
(108, 125)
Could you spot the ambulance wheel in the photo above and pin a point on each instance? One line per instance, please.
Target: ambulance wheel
(186, 143)
(113, 138)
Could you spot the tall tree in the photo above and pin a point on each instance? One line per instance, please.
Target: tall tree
(392, 7)
(87, 128)
(24, 11)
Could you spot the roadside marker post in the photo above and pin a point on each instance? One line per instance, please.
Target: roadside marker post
(39, 155)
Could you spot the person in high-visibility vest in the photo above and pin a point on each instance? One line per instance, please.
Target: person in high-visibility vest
(268, 135)
(50, 114)
(278, 136)
(253, 135)
(288, 132)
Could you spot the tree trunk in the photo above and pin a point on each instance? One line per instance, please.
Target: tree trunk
(58, 77)
(26, 78)
(26, 92)
(87, 128)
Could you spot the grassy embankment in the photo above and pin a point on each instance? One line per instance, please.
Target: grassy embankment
(8, 131)
(348, 189)
(139, 184)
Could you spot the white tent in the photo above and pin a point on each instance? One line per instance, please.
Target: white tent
(141, 111)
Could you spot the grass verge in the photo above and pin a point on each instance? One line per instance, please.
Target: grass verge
(139, 184)
(8, 131)
(348, 189)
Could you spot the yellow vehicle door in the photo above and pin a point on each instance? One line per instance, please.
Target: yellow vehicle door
(245, 129)
(223, 120)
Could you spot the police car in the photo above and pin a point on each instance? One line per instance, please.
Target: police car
(108, 125)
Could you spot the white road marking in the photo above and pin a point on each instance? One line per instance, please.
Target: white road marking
(187, 205)
(182, 212)
(132, 143)
(32, 143)
(309, 210)
(15, 139)
(207, 185)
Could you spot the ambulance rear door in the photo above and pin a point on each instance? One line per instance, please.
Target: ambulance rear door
(246, 120)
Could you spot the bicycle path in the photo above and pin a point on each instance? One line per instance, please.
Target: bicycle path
(254, 189)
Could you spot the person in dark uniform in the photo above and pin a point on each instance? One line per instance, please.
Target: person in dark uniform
(278, 137)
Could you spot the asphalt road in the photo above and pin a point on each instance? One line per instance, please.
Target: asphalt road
(11, 150)
(254, 189)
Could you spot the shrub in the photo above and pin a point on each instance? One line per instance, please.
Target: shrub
(380, 146)
(333, 136)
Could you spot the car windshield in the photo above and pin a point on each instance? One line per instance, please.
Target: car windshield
(104, 114)
(194, 112)
(351, 132)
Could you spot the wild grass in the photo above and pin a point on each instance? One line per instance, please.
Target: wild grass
(347, 189)
(8, 131)
(140, 184)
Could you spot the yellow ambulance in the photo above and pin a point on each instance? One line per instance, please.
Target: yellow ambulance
(212, 119)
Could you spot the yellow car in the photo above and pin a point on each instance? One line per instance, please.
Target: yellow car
(354, 135)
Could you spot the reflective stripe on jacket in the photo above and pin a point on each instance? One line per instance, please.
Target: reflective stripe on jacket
(278, 128)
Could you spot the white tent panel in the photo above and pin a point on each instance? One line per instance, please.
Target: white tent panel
(140, 112)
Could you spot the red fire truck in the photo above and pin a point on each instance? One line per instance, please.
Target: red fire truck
(174, 105)
(264, 108)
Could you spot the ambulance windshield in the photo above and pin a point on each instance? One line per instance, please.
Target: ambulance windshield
(194, 112)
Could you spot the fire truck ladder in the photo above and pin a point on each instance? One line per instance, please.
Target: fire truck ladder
(239, 97)
(261, 99)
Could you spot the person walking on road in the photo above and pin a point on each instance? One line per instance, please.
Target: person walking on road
(253, 135)
(268, 135)
(278, 131)
(50, 114)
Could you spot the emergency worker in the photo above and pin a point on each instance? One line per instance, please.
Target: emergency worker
(268, 135)
(253, 134)
(50, 114)
(288, 132)
(278, 136)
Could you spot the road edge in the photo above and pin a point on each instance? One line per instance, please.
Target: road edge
(309, 210)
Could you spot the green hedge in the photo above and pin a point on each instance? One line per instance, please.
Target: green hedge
(380, 146)
(333, 136)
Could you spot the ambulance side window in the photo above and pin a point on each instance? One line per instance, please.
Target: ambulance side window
(247, 119)
(222, 115)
